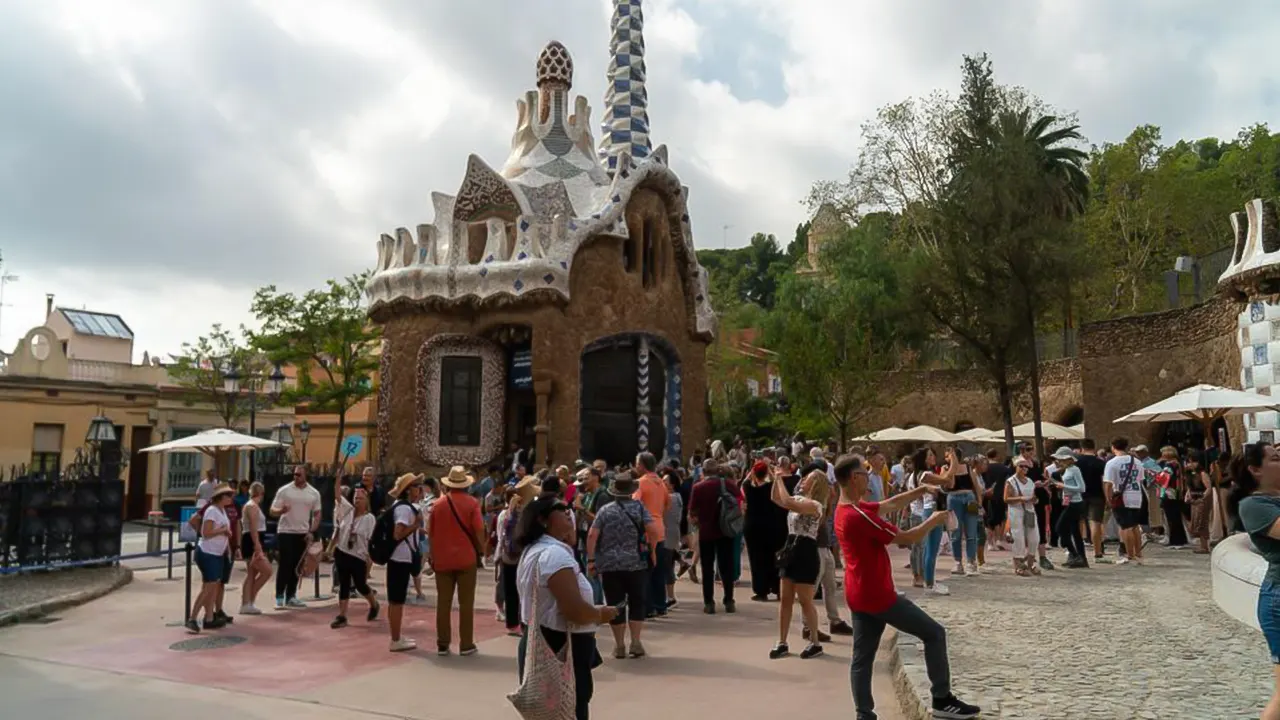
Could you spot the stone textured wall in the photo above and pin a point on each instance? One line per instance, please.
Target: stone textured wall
(1129, 363)
(605, 300)
(949, 398)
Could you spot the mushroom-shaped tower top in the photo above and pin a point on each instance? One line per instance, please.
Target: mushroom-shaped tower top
(555, 66)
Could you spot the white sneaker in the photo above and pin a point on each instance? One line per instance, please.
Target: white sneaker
(937, 589)
(294, 602)
(249, 609)
(1124, 560)
(959, 569)
(973, 569)
(403, 645)
(280, 603)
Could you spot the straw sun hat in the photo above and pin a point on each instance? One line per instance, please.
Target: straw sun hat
(458, 478)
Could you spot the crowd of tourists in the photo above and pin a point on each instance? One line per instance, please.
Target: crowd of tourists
(587, 545)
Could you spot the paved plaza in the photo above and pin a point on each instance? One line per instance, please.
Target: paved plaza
(1108, 642)
(113, 659)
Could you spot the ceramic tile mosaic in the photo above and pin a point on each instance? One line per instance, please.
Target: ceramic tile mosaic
(553, 194)
(493, 390)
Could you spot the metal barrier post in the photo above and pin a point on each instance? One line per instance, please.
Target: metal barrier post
(169, 574)
(186, 607)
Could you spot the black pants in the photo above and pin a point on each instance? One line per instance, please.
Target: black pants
(713, 553)
(291, 547)
(510, 596)
(585, 657)
(657, 578)
(1068, 529)
(762, 549)
(907, 618)
(1056, 511)
(1176, 531)
(351, 572)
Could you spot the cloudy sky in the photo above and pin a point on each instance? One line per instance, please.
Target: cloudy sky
(162, 158)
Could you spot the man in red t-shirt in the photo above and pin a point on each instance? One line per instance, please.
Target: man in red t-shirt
(864, 537)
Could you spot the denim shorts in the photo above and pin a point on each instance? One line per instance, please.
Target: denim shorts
(211, 566)
(1269, 617)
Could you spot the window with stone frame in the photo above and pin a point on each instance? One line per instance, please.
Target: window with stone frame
(460, 395)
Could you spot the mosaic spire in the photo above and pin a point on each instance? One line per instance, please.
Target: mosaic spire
(625, 126)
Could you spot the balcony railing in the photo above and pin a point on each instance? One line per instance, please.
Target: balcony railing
(183, 480)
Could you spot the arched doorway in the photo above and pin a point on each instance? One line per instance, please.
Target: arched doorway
(629, 392)
(1072, 416)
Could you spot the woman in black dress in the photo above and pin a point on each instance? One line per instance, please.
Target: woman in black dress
(765, 531)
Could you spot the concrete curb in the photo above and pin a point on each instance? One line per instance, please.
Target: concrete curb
(46, 607)
(909, 701)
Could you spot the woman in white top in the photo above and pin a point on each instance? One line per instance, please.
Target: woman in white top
(257, 564)
(1020, 495)
(803, 563)
(212, 557)
(354, 526)
(549, 576)
(924, 554)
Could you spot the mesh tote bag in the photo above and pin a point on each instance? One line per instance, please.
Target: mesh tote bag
(547, 691)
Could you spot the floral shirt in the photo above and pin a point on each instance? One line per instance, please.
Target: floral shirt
(621, 527)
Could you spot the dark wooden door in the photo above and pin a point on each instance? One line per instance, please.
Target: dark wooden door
(137, 503)
(607, 425)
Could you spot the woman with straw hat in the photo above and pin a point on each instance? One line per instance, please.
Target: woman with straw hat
(212, 558)
(406, 556)
(525, 490)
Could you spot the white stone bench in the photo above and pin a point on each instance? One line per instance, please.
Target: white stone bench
(1238, 571)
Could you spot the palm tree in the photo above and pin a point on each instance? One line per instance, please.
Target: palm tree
(1061, 159)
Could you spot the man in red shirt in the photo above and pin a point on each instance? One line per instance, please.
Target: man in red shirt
(713, 547)
(868, 588)
(458, 540)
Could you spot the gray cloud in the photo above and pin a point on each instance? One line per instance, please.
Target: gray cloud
(252, 142)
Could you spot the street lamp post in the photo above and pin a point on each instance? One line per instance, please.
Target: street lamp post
(231, 385)
(304, 432)
(282, 434)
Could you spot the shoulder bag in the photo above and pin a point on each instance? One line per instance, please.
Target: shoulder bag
(548, 690)
(470, 535)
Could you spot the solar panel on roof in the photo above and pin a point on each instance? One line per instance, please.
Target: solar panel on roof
(90, 323)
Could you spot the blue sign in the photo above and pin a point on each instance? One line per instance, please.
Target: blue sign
(522, 369)
(186, 533)
(351, 445)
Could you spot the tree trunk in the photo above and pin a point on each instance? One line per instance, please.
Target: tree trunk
(1035, 380)
(342, 429)
(1005, 394)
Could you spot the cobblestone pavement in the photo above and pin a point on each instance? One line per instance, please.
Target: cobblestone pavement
(22, 591)
(1108, 642)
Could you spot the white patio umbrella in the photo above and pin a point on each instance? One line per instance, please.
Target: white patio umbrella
(889, 434)
(977, 434)
(928, 434)
(1027, 431)
(213, 441)
(1204, 404)
(1079, 428)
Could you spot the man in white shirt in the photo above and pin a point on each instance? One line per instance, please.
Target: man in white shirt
(1123, 475)
(297, 505)
(204, 492)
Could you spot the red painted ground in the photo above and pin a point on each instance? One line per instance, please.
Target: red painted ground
(285, 653)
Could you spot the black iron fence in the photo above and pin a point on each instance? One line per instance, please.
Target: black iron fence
(62, 516)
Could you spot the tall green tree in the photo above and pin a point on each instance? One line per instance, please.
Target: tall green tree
(1025, 172)
(838, 332)
(201, 367)
(326, 335)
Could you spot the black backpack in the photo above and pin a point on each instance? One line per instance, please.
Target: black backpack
(732, 519)
(383, 541)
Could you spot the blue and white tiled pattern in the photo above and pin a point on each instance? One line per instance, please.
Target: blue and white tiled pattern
(625, 126)
(1259, 342)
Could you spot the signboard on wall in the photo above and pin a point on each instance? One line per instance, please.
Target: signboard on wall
(521, 370)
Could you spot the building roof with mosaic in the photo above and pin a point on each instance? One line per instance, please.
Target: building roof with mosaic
(510, 236)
